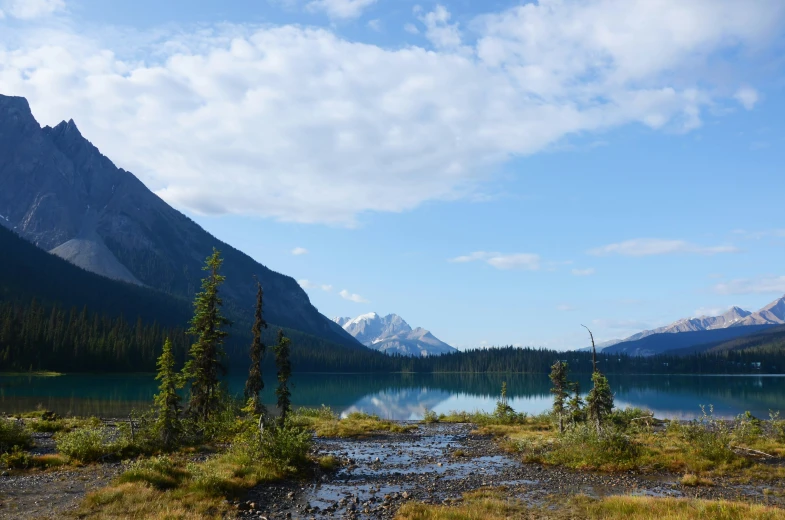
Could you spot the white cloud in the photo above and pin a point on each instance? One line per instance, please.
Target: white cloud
(747, 96)
(340, 9)
(411, 28)
(31, 9)
(438, 29)
(584, 272)
(312, 127)
(307, 284)
(654, 246)
(297, 251)
(565, 307)
(375, 24)
(526, 261)
(771, 284)
(356, 298)
(2, 14)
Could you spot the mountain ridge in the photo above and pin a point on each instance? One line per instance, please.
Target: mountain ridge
(56, 185)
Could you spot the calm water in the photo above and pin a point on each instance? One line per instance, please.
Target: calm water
(402, 396)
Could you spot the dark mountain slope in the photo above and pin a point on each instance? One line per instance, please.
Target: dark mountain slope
(771, 339)
(667, 342)
(55, 186)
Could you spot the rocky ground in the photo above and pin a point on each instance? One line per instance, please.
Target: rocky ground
(49, 494)
(437, 464)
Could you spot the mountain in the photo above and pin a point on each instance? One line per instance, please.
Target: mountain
(669, 342)
(58, 191)
(771, 314)
(770, 339)
(392, 335)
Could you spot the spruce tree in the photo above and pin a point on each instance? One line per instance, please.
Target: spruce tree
(254, 384)
(560, 390)
(204, 367)
(284, 367)
(167, 401)
(575, 404)
(600, 398)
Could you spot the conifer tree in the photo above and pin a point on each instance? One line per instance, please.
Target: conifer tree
(284, 371)
(254, 384)
(575, 404)
(167, 401)
(600, 398)
(560, 390)
(204, 366)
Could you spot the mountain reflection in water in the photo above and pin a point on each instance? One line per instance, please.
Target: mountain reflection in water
(407, 396)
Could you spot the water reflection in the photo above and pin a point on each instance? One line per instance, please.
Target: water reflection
(407, 396)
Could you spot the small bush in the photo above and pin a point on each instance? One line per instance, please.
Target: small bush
(323, 412)
(629, 417)
(709, 437)
(44, 426)
(430, 417)
(583, 447)
(777, 426)
(85, 444)
(329, 463)
(286, 447)
(13, 435)
(20, 459)
(747, 428)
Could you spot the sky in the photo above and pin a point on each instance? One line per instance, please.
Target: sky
(498, 172)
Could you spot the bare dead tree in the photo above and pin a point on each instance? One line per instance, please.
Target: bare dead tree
(593, 349)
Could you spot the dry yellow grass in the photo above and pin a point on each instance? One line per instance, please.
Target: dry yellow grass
(493, 505)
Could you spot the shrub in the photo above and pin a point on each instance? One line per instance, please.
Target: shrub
(585, 447)
(709, 437)
(329, 462)
(430, 417)
(777, 426)
(627, 417)
(13, 435)
(85, 444)
(20, 459)
(323, 412)
(747, 428)
(286, 447)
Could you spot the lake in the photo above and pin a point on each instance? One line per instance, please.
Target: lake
(407, 396)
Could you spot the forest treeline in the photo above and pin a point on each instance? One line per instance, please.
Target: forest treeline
(36, 336)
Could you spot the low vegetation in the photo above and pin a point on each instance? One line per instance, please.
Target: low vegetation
(496, 505)
(326, 423)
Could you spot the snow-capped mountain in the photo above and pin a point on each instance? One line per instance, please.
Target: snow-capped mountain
(771, 314)
(392, 335)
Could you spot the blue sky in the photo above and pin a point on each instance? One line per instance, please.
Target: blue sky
(496, 172)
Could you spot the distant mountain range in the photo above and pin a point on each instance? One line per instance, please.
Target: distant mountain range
(688, 333)
(392, 335)
(59, 192)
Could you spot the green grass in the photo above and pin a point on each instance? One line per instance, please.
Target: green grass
(324, 423)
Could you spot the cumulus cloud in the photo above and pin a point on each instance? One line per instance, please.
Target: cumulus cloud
(297, 251)
(654, 246)
(307, 284)
(525, 261)
(747, 96)
(771, 284)
(583, 272)
(356, 298)
(340, 9)
(411, 28)
(31, 9)
(312, 127)
(438, 29)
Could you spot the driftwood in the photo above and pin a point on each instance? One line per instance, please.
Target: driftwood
(756, 452)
